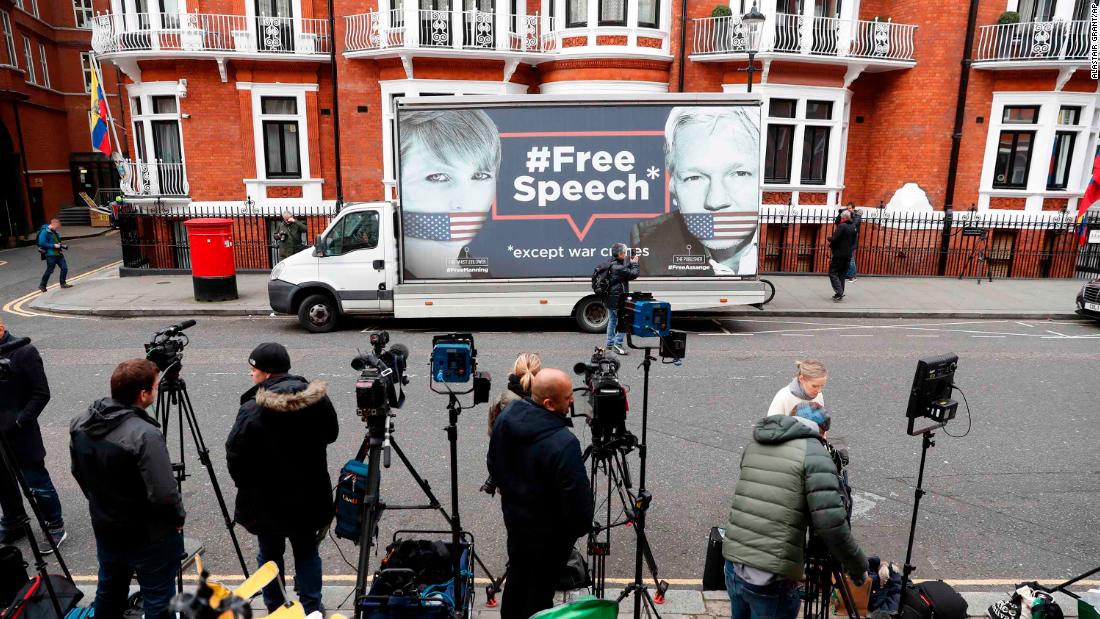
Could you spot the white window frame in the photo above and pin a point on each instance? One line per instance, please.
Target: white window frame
(257, 187)
(412, 88)
(86, 70)
(34, 9)
(19, 5)
(143, 122)
(9, 38)
(1050, 104)
(45, 65)
(83, 13)
(28, 55)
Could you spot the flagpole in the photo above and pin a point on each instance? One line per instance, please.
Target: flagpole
(110, 117)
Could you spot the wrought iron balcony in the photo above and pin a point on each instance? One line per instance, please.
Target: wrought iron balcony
(1033, 44)
(202, 34)
(478, 32)
(153, 179)
(818, 39)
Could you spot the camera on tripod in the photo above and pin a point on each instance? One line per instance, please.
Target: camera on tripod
(381, 377)
(166, 348)
(606, 396)
(454, 360)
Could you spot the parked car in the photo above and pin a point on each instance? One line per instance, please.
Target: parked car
(1088, 300)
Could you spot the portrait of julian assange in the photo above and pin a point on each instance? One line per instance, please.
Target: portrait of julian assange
(713, 160)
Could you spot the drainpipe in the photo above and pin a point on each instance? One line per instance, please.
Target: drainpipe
(956, 135)
(683, 44)
(335, 106)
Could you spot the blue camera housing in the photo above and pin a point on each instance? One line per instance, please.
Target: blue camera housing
(452, 362)
(650, 318)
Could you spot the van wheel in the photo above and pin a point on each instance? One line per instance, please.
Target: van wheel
(318, 313)
(591, 315)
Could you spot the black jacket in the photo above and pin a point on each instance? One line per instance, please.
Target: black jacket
(277, 455)
(622, 271)
(122, 465)
(843, 240)
(22, 399)
(536, 462)
(857, 219)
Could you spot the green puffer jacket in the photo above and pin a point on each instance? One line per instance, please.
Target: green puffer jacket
(788, 482)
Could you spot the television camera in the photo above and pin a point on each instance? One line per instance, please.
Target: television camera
(606, 397)
(166, 349)
(382, 377)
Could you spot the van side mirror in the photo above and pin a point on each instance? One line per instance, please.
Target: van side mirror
(319, 246)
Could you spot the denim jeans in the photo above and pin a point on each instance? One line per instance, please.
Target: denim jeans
(852, 268)
(614, 336)
(775, 600)
(307, 568)
(156, 566)
(45, 495)
(51, 263)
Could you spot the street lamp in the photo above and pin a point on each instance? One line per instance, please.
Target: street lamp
(753, 22)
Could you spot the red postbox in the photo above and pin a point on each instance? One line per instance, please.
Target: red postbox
(213, 271)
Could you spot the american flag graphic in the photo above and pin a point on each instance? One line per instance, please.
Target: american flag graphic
(731, 225)
(444, 226)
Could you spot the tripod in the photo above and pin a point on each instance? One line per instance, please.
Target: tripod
(172, 394)
(376, 448)
(821, 574)
(917, 494)
(976, 260)
(12, 483)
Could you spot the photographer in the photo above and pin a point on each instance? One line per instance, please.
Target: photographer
(622, 271)
(288, 234)
(23, 397)
(807, 386)
(50, 246)
(545, 495)
(277, 455)
(788, 482)
(121, 462)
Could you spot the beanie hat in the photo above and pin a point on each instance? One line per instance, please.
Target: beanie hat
(270, 357)
(815, 413)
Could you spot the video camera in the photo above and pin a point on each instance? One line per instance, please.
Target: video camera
(6, 370)
(381, 377)
(606, 396)
(166, 348)
(454, 360)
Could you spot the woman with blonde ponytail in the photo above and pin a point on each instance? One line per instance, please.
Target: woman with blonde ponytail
(806, 387)
(519, 385)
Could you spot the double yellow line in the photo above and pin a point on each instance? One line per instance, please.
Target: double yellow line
(17, 306)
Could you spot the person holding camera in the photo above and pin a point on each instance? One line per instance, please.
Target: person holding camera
(23, 397)
(50, 247)
(288, 233)
(277, 456)
(120, 460)
(842, 242)
(622, 271)
(789, 482)
(807, 386)
(545, 495)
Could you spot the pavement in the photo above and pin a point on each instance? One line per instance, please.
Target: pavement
(105, 293)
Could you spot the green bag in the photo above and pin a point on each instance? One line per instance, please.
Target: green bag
(585, 608)
(1086, 610)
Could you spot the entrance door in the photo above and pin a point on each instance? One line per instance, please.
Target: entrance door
(13, 218)
(354, 260)
(435, 23)
(274, 26)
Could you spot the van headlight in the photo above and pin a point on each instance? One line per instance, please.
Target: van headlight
(278, 270)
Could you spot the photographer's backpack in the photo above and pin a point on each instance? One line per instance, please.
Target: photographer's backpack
(350, 493)
(601, 278)
(33, 600)
(934, 599)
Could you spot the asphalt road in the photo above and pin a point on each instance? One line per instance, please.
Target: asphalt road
(1016, 498)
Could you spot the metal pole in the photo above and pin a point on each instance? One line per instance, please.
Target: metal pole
(752, 68)
(335, 106)
(683, 45)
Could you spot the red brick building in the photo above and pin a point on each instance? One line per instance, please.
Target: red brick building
(230, 101)
(46, 157)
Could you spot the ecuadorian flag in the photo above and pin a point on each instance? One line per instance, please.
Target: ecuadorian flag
(1091, 197)
(98, 117)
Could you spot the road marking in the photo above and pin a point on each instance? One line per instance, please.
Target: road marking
(1056, 333)
(857, 335)
(3, 262)
(989, 336)
(1024, 324)
(796, 335)
(919, 335)
(16, 306)
(720, 326)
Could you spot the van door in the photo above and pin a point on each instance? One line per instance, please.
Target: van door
(354, 262)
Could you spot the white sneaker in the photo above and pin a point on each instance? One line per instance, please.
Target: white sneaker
(619, 350)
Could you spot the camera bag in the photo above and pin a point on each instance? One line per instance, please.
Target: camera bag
(350, 494)
(13, 574)
(575, 574)
(934, 599)
(714, 569)
(33, 600)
